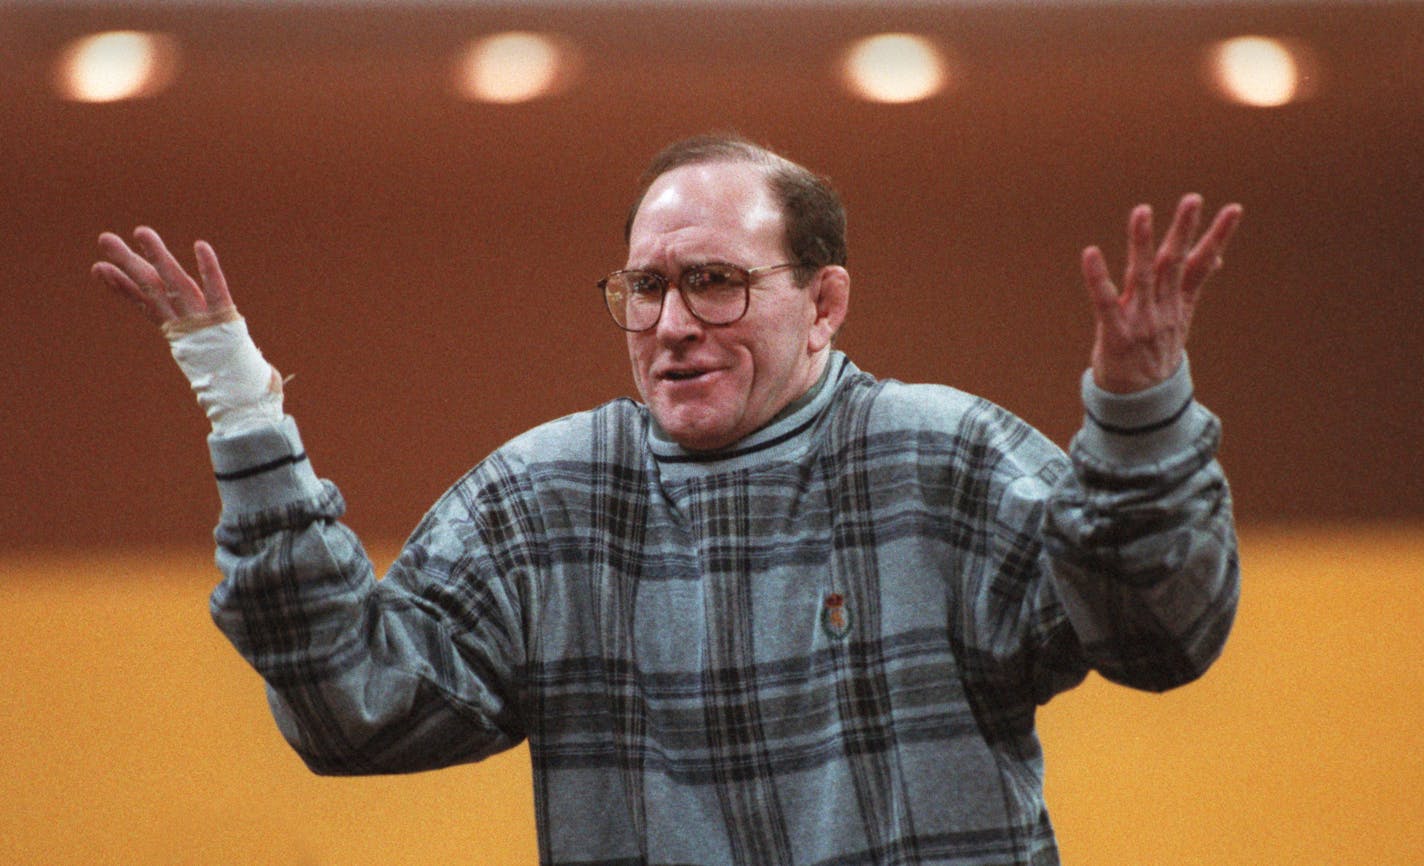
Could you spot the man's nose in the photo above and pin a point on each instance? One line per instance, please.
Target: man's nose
(677, 321)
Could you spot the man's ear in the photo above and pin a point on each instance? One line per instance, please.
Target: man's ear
(830, 292)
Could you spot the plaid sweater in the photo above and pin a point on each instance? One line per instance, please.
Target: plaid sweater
(822, 646)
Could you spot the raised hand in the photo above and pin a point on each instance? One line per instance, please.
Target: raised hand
(234, 384)
(1141, 329)
(157, 283)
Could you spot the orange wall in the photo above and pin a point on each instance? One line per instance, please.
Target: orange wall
(133, 734)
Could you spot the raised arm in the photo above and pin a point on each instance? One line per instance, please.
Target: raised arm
(1140, 536)
(363, 676)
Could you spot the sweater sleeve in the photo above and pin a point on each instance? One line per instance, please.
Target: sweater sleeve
(364, 676)
(1140, 539)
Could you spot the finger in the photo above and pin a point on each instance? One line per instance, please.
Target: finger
(1138, 278)
(1206, 256)
(133, 270)
(126, 289)
(215, 291)
(135, 275)
(178, 288)
(1171, 254)
(1101, 291)
(134, 266)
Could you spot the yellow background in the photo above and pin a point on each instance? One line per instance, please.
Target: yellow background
(134, 734)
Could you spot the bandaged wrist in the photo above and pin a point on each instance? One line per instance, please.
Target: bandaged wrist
(234, 384)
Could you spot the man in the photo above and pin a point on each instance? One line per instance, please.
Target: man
(777, 612)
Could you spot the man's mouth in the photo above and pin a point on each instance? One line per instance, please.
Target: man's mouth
(682, 375)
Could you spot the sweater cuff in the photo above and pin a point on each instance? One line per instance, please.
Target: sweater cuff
(262, 467)
(1143, 427)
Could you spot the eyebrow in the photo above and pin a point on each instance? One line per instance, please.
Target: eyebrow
(687, 267)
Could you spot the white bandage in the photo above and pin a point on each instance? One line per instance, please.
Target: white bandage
(235, 385)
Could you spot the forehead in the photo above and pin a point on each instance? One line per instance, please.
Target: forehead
(707, 208)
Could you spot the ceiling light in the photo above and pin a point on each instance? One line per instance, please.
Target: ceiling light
(121, 64)
(894, 67)
(514, 67)
(1258, 71)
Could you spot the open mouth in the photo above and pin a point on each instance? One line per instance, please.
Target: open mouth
(681, 375)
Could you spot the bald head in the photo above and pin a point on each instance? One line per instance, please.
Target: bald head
(813, 217)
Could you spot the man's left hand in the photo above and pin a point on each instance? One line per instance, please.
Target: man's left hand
(1141, 331)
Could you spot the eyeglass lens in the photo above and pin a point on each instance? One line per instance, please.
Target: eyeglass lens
(716, 294)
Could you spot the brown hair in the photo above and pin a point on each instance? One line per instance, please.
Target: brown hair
(815, 218)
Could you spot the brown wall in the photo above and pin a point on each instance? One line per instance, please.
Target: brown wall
(424, 266)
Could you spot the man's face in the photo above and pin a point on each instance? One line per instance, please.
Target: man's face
(711, 385)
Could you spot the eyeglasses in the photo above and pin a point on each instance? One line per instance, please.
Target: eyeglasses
(717, 294)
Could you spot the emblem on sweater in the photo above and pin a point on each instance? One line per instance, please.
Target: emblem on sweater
(835, 618)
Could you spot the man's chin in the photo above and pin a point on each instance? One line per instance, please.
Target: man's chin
(694, 430)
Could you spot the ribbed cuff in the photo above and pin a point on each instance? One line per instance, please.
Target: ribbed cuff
(262, 468)
(1142, 427)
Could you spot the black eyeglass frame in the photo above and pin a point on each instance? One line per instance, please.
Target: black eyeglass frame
(664, 283)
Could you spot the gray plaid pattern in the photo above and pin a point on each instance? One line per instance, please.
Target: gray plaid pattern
(655, 624)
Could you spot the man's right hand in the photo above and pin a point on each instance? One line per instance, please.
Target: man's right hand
(236, 387)
(159, 285)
